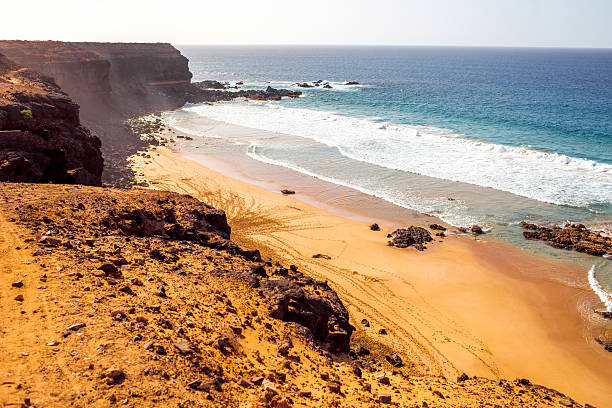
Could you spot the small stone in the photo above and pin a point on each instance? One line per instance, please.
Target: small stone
(17, 284)
(19, 298)
(127, 290)
(161, 291)
(287, 191)
(384, 398)
(365, 322)
(463, 377)
(284, 348)
(53, 344)
(111, 270)
(375, 227)
(257, 380)
(383, 379)
(118, 315)
(322, 256)
(334, 386)
(76, 326)
(148, 345)
(243, 382)
(114, 375)
(137, 337)
(182, 347)
(305, 393)
(49, 241)
(394, 359)
(269, 386)
(237, 330)
(159, 349)
(382, 331)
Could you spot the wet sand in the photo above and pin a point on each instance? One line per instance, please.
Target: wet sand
(484, 308)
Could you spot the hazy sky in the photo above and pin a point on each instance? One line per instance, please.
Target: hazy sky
(571, 23)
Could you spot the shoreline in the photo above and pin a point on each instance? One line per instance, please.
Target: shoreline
(462, 305)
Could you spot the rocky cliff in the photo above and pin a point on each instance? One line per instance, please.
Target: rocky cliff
(111, 82)
(41, 138)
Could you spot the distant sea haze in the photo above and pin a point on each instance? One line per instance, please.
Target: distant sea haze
(510, 134)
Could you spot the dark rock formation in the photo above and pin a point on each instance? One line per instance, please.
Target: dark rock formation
(411, 236)
(111, 82)
(312, 304)
(571, 236)
(375, 227)
(41, 138)
(212, 85)
(437, 227)
(352, 83)
(200, 92)
(287, 191)
(476, 230)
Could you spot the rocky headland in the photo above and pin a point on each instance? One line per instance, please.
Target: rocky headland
(113, 82)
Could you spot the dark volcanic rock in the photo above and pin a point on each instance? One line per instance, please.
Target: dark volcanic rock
(313, 306)
(199, 92)
(476, 230)
(572, 236)
(41, 138)
(411, 236)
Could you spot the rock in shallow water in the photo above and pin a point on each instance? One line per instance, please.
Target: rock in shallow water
(572, 236)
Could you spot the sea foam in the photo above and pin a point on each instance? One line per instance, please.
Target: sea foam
(434, 152)
(604, 296)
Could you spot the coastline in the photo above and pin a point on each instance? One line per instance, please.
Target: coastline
(462, 305)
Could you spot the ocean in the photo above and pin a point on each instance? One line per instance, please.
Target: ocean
(488, 136)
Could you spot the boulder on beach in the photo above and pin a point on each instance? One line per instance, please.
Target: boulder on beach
(411, 236)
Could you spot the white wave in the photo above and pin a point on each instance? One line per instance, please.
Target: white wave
(435, 152)
(456, 218)
(604, 296)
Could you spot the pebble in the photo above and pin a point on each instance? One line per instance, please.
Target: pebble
(17, 284)
(76, 326)
(161, 291)
(182, 347)
(384, 398)
(19, 298)
(53, 344)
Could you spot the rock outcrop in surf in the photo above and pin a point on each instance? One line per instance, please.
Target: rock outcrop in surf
(572, 236)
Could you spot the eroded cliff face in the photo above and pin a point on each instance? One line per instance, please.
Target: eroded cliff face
(41, 137)
(111, 82)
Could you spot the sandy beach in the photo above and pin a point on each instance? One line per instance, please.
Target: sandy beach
(460, 306)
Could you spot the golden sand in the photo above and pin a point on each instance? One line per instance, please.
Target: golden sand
(460, 306)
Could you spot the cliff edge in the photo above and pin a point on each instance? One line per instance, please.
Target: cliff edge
(41, 137)
(111, 82)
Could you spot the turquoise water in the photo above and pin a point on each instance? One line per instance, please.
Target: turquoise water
(510, 134)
